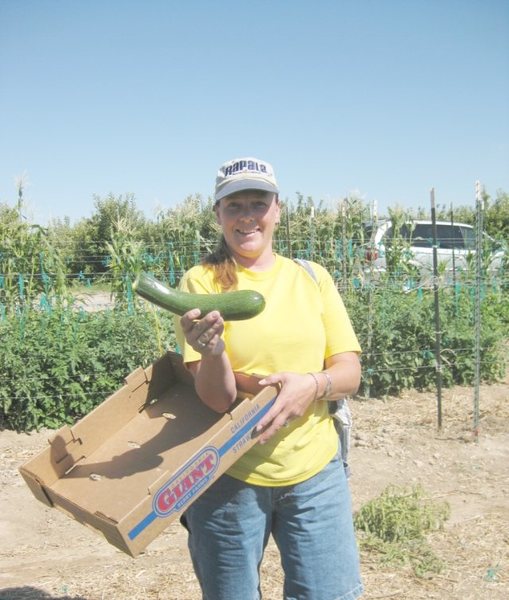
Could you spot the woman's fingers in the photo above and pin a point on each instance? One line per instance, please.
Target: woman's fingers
(202, 333)
(296, 392)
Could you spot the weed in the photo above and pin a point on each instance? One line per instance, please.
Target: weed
(395, 525)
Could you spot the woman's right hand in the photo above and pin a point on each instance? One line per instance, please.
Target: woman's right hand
(214, 379)
(203, 335)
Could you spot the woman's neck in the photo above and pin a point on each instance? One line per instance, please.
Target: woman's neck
(264, 262)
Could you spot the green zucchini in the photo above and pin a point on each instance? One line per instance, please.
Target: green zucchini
(233, 306)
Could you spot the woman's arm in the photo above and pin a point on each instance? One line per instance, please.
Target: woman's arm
(344, 371)
(214, 379)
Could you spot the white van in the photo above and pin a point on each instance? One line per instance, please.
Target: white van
(455, 247)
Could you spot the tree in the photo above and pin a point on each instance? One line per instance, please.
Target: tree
(92, 235)
(496, 216)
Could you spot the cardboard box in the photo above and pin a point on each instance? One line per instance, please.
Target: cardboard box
(138, 460)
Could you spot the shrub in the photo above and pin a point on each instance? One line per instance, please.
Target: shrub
(395, 524)
(397, 334)
(57, 365)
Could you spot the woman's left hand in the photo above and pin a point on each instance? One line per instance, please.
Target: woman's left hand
(297, 392)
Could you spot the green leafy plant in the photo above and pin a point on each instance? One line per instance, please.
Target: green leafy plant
(395, 524)
(57, 365)
(396, 332)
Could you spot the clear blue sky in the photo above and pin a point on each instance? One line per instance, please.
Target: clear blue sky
(149, 97)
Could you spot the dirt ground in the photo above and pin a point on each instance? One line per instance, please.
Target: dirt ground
(45, 554)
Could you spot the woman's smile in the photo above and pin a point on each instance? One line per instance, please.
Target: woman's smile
(247, 232)
(248, 220)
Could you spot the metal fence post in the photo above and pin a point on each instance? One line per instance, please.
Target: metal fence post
(438, 357)
(477, 306)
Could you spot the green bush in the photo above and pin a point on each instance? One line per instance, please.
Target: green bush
(57, 365)
(397, 334)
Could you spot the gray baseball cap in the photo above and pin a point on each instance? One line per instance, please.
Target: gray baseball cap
(245, 174)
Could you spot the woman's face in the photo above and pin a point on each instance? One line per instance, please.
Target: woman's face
(248, 219)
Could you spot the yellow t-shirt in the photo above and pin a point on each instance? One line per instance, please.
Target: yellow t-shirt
(304, 322)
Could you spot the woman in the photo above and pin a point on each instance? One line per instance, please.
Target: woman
(291, 484)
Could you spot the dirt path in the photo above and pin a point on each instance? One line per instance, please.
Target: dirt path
(45, 554)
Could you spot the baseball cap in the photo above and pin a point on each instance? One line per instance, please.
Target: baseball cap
(245, 174)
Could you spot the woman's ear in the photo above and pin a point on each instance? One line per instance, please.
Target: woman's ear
(278, 213)
(216, 210)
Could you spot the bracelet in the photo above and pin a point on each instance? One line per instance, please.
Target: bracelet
(328, 387)
(316, 386)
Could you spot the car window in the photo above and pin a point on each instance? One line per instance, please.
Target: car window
(406, 232)
(457, 240)
(449, 237)
(468, 235)
(422, 236)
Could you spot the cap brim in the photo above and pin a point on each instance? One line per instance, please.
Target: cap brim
(246, 184)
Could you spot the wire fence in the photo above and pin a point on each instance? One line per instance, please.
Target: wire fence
(391, 306)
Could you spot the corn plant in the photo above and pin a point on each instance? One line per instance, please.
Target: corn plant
(331, 237)
(31, 269)
(125, 261)
(180, 237)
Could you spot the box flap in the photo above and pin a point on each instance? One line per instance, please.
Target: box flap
(143, 387)
(36, 487)
(135, 379)
(164, 371)
(56, 459)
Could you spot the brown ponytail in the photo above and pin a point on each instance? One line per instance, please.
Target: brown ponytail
(223, 265)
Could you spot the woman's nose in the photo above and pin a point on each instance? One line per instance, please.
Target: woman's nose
(246, 212)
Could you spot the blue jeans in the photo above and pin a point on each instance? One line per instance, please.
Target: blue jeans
(311, 523)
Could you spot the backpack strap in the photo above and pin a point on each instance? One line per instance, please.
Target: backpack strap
(305, 264)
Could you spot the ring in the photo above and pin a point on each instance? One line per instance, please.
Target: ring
(201, 344)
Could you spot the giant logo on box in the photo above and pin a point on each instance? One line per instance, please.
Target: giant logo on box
(187, 482)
